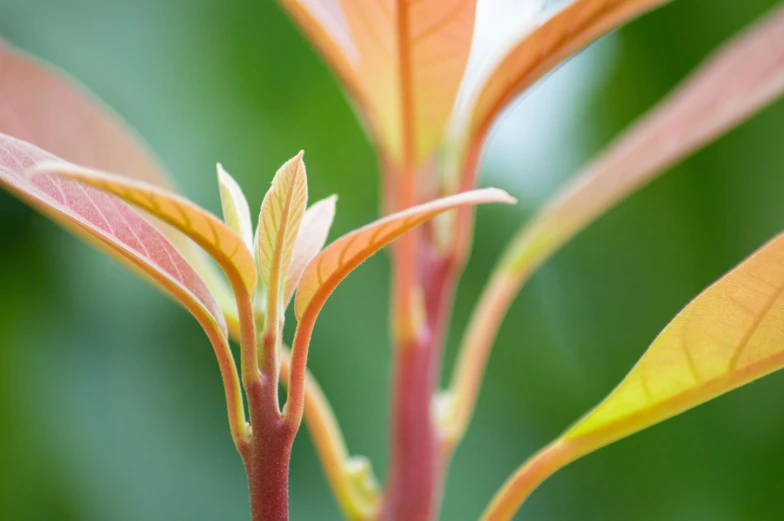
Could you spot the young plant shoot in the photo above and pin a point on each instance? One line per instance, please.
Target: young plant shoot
(429, 96)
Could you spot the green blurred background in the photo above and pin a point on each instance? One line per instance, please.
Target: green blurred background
(110, 401)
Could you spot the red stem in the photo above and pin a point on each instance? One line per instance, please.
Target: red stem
(413, 479)
(414, 486)
(267, 464)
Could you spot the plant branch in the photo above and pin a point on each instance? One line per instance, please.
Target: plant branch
(240, 429)
(247, 334)
(295, 403)
(351, 479)
(527, 478)
(474, 351)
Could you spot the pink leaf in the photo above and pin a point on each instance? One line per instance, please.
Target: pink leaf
(111, 224)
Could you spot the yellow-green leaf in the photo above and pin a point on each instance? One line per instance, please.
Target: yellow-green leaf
(728, 336)
(337, 260)
(236, 212)
(312, 236)
(279, 223)
(205, 229)
(732, 334)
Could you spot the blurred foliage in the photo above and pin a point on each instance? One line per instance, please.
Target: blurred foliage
(110, 398)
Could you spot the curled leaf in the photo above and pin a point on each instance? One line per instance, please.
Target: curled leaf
(337, 260)
(312, 236)
(563, 34)
(205, 229)
(236, 213)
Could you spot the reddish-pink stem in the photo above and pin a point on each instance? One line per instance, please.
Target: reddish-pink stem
(411, 492)
(414, 487)
(267, 451)
(267, 464)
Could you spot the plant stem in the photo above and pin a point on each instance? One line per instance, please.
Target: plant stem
(474, 351)
(527, 478)
(415, 482)
(268, 463)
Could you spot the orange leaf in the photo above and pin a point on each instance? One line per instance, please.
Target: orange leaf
(337, 260)
(109, 223)
(538, 52)
(312, 236)
(205, 229)
(739, 80)
(402, 60)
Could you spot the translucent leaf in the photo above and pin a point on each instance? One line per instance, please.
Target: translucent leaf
(728, 336)
(279, 223)
(109, 223)
(236, 212)
(205, 229)
(45, 107)
(739, 80)
(312, 236)
(402, 60)
(542, 49)
(337, 260)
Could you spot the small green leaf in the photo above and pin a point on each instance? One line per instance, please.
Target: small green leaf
(236, 212)
(279, 223)
(728, 336)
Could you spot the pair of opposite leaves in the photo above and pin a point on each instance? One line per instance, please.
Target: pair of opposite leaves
(86, 201)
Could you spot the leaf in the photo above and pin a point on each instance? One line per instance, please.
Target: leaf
(340, 258)
(205, 229)
(312, 236)
(109, 223)
(402, 61)
(45, 107)
(236, 213)
(282, 212)
(739, 80)
(728, 336)
(539, 51)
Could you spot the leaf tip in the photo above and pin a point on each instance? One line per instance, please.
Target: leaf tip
(501, 196)
(222, 173)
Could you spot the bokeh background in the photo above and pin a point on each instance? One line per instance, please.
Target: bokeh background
(110, 401)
